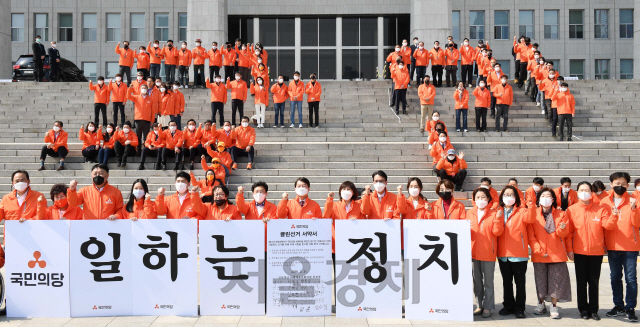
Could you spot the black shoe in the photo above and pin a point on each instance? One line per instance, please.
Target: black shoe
(397, 112)
(493, 116)
(175, 167)
(584, 315)
(561, 138)
(631, 315)
(391, 105)
(86, 160)
(595, 316)
(141, 167)
(191, 167)
(119, 163)
(505, 312)
(124, 162)
(520, 314)
(163, 167)
(404, 112)
(158, 166)
(182, 167)
(60, 168)
(41, 168)
(569, 139)
(616, 311)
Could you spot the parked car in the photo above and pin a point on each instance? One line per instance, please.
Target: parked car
(67, 70)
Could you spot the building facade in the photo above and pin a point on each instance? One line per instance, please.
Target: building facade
(337, 39)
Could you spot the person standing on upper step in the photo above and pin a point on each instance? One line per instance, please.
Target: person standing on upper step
(401, 81)
(494, 74)
(384, 204)
(238, 89)
(55, 145)
(39, 53)
(155, 58)
(301, 207)
(436, 56)
(179, 103)
(419, 62)
(467, 54)
(119, 98)
(461, 97)
(184, 62)
(199, 56)
(565, 196)
(243, 147)
(453, 168)
(566, 110)
(126, 60)
(546, 86)
(553, 119)
(218, 98)
(296, 95)
(100, 200)
(145, 107)
(427, 94)
(451, 56)
(229, 60)
(392, 68)
(482, 102)
(260, 99)
(170, 61)
(504, 98)
(412, 69)
(280, 93)
(54, 62)
(143, 61)
(100, 99)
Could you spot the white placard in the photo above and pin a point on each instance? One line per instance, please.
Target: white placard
(232, 287)
(37, 268)
(368, 269)
(438, 262)
(170, 286)
(100, 253)
(299, 267)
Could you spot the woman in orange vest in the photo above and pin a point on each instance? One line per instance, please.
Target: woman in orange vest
(461, 96)
(221, 208)
(446, 207)
(347, 208)
(60, 210)
(261, 99)
(90, 137)
(140, 205)
(485, 229)
(167, 105)
(418, 207)
(547, 238)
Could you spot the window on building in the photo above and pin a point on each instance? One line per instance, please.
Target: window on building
(286, 32)
(526, 23)
(137, 27)
(576, 68)
(322, 62)
(268, 31)
(601, 28)
(476, 25)
(161, 27)
(455, 22)
(113, 27)
(17, 27)
(89, 27)
(550, 24)
(576, 24)
(240, 27)
(359, 63)
(65, 29)
(42, 26)
(111, 69)
(505, 66)
(626, 68)
(602, 68)
(90, 72)
(626, 23)
(395, 29)
(182, 26)
(316, 35)
(501, 25)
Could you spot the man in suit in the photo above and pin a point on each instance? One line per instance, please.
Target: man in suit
(414, 46)
(54, 61)
(38, 59)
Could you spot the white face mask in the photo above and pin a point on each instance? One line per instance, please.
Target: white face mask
(564, 89)
(546, 202)
(420, 47)
(509, 200)
(181, 187)
(109, 129)
(504, 81)
(584, 196)
(173, 128)
(401, 66)
(397, 49)
(100, 82)
(257, 52)
(20, 186)
(414, 191)
(295, 77)
(217, 80)
(141, 51)
(56, 128)
(379, 187)
(415, 42)
(155, 45)
(466, 43)
(460, 88)
(536, 188)
(482, 85)
(302, 191)
(214, 47)
(346, 194)
(245, 124)
(259, 82)
(162, 89)
(497, 69)
(552, 75)
(53, 46)
(404, 44)
(481, 204)
(118, 79)
(91, 128)
(138, 193)
(566, 189)
(541, 62)
(435, 118)
(175, 87)
(259, 197)
(184, 46)
(280, 80)
(192, 127)
(158, 84)
(126, 130)
(451, 157)
(139, 78)
(259, 61)
(143, 91)
(237, 78)
(244, 48)
(227, 128)
(536, 56)
(484, 54)
(442, 139)
(197, 44)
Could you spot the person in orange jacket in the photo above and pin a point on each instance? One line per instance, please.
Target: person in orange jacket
(22, 203)
(213, 176)
(485, 183)
(125, 61)
(137, 84)
(280, 93)
(636, 187)
(222, 154)
(229, 60)
(259, 52)
(348, 207)
(513, 252)
(432, 124)
(119, 98)
(245, 139)
(588, 222)
(218, 97)
(145, 108)
(461, 97)
(393, 56)
(453, 168)
(156, 54)
(485, 229)
(221, 208)
(100, 200)
(184, 204)
(446, 207)
(178, 109)
(553, 116)
(215, 61)
(209, 137)
(60, 210)
(600, 191)
(100, 99)
(622, 245)
(401, 80)
(427, 94)
(504, 98)
(167, 107)
(439, 149)
(531, 194)
(153, 146)
(238, 89)
(219, 171)
(140, 205)
(260, 99)
(384, 204)
(302, 207)
(184, 62)
(393, 67)
(259, 208)
(192, 139)
(227, 135)
(199, 56)
(90, 138)
(125, 143)
(243, 61)
(467, 55)
(451, 57)
(546, 85)
(170, 61)
(421, 61)
(142, 61)
(173, 148)
(565, 196)
(566, 110)
(260, 70)
(295, 90)
(417, 206)
(433, 136)
(530, 86)
(482, 103)
(55, 145)
(437, 56)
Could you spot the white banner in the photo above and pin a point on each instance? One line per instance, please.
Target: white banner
(165, 262)
(438, 270)
(232, 268)
(368, 269)
(100, 253)
(299, 267)
(37, 268)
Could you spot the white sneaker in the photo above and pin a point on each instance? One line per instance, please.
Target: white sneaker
(300, 126)
(537, 104)
(542, 112)
(470, 85)
(282, 126)
(540, 309)
(554, 313)
(181, 86)
(186, 86)
(291, 126)
(465, 130)
(274, 126)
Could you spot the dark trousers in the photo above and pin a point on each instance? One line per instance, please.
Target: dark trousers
(61, 152)
(97, 107)
(198, 75)
(170, 73)
(38, 70)
(451, 76)
(412, 70)
(155, 70)
(464, 113)
(493, 105)
(314, 111)
(436, 72)
(142, 129)
(619, 261)
(90, 152)
(236, 105)
(104, 154)
(193, 153)
(522, 77)
(171, 153)
(502, 111)
(569, 120)
(547, 109)
(554, 121)
(245, 74)
(587, 274)
(279, 109)
(457, 179)
(228, 72)
(183, 75)
(481, 119)
(217, 107)
(178, 120)
(118, 106)
(514, 272)
(126, 71)
(401, 96)
(124, 151)
(420, 72)
(145, 73)
(53, 71)
(213, 71)
(467, 74)
(237, 152)
(148, 152)
(517, 74)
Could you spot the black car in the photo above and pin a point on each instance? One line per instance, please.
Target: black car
(67, 70)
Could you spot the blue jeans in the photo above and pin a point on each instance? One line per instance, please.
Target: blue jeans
(540, 96)
(617, 261)
(104, 154)
(279, 108)
(464, 118)
(292, 116)
(154, 71)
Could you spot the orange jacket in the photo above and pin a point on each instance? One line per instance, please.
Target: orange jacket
(126, 56)
(60, 140)
(624, 235)
(436, 56)
(250, 211)
(422, 57)
(229, 56)
(168, 104)
(485, 66)
(238, 89)
(118, 92)
(184, 57)
(142, 209)
(587, 228)
(530, 197)
(291, 209)
(89, 138)
(243, 58)
(205, 185)
(426, 91)
(191, 139)
(280, 93)
(260, 94)
(406, 55)
(170, 55)
(451, 168)
(484, 234)
(393, 55)
(521, 50)
(553, 91)
(53, 213)
(215, 57)
(493, 78)
(546, 85)
(97, 204)
(483, 97)
(10, 210)
(359, 209)
(461, 103)
(451, 56)
(419, 211)
(218, 91)
(391, 206)
(467, 53)
(135, 86)
(224, 156)
(145, 106)
(431, 127)
(572, 196)
(210, 136)
(174, 210)
(264, 55)
(566, 103)
(121, 137)
(179, 104)
(229, 211)
(438, 152)
(245, 136)
(155, 54)
(296, 89)
(229, 138)
(143, 60)
(493, 204)
(101, 93)
(199, 54)
(173, 140)
(514, 241)
(157, 140)
(456, 210)
(256, 72)
(552, 244)
(503, 94)
(401, 78)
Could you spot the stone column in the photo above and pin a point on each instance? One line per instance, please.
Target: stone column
(207, 20)
(5, 39)
(431, 20)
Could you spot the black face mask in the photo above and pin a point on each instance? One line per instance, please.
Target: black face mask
(489, 56)
(445, 195)
(98, 180)
(427, 82)
(620, 190)
(170, 46)
(126, 46)
(527, 43)
(220, 203)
